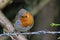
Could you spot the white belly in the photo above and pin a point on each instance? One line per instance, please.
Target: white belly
(19, 27)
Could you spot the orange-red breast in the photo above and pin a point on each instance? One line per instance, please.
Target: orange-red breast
(24, 21)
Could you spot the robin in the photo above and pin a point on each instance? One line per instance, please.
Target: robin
(23, 21)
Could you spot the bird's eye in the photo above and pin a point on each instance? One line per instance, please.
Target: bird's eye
(24, 16)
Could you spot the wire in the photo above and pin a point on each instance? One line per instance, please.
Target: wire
(27, 33)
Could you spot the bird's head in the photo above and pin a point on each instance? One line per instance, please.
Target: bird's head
(26, 18)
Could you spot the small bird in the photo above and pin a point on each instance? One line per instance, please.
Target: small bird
(23, 21)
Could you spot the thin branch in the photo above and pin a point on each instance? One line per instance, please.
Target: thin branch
(39, 6)
(5, 22)
(27, 2)
(3, 3)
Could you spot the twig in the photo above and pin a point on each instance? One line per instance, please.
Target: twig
(5, 22)
(39, 6)
(27, 2)
(3, 3)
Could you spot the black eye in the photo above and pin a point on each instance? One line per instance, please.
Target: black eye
(24, 16)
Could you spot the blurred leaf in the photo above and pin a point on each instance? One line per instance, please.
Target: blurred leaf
(58, 38)
(54, 25)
